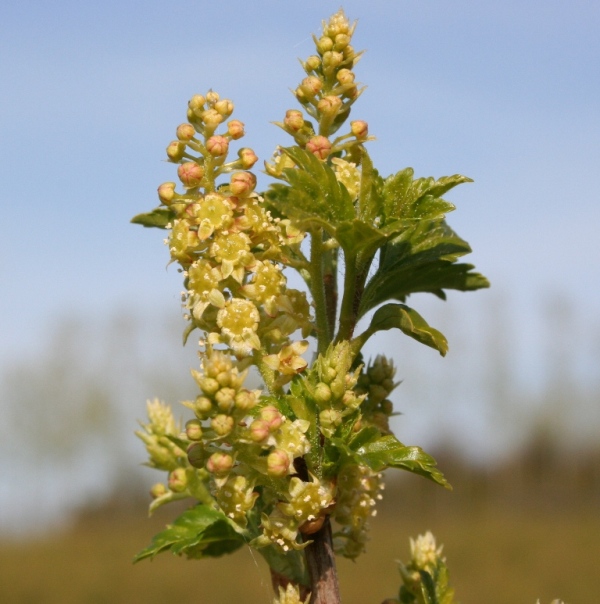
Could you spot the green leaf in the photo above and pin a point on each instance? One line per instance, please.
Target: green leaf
(199, 532)
(158, 218)
(389, 452)
(411, 323)
(371, 200)
(418, 199)
(421, 259)
(314, 195)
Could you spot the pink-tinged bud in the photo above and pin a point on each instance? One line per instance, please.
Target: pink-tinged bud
(312, 63)
(175, 150)
(193, 429)
(272, 416)
(196, 105)
(242, 183)
(158, 490)
(224, 107)
(212, 97)
(166, 192)
(360, 129)
(319, 146)
(294, 120)
(217, 145)
(219, 463)
(345, 77)
(222, 424)
(191, 174)
(177, 480)
(185, 132)
(235, 129)
(330, 105)
(324, 44)
(259, 430)
(248, 157)
(311, 86)
(278, 463)
(196, 455)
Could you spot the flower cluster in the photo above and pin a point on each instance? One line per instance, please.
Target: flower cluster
(326, 94)
(359, 488)
(229, 246)
(376, 383)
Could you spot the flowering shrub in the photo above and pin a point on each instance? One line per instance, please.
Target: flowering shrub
(294, 469)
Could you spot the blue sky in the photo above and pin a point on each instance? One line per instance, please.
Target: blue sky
(507, 93)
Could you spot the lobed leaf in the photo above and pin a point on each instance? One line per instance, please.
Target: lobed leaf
(157, 218)
(199, 532)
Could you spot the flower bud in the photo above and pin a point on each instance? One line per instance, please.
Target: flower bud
(294, 120)
(225, 399)
(278, 463)
(191, 174)
(332, 59)
(219, 463)
(360, 129)
(324, 44)
(208, 385)
(217, 145)
(178, 480)
(166, 192)
(185, 132)
(341, 41)
(224, 107)
(248, 157)
(319, 146)
(235, 129)
(196, 455)
(272, 416)
(330, 105)
(193, 429)
(311, 86)
(242, 183)
(222, 424)
(202, 406)
(345, 77)
(322, 393)
(387, 407)
(245, 400)
(338, 24)
(211, 118)
(158, 490)
(259, 430)
(212, 97)
(312, 63)
(196, 105)
(175, 150)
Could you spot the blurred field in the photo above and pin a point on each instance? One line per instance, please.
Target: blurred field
(499, 549)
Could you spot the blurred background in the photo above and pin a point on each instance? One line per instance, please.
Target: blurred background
(506, 93)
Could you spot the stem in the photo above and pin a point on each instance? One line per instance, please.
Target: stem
(320, 560)
(347, 314)
(330, 259)
(318, 289)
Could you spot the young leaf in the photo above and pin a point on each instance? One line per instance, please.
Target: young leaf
(199, 532)
(421, 259)
(159, 218)
(408, 321)
(389, 452)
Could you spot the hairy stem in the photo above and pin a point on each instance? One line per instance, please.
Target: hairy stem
(318, 289)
